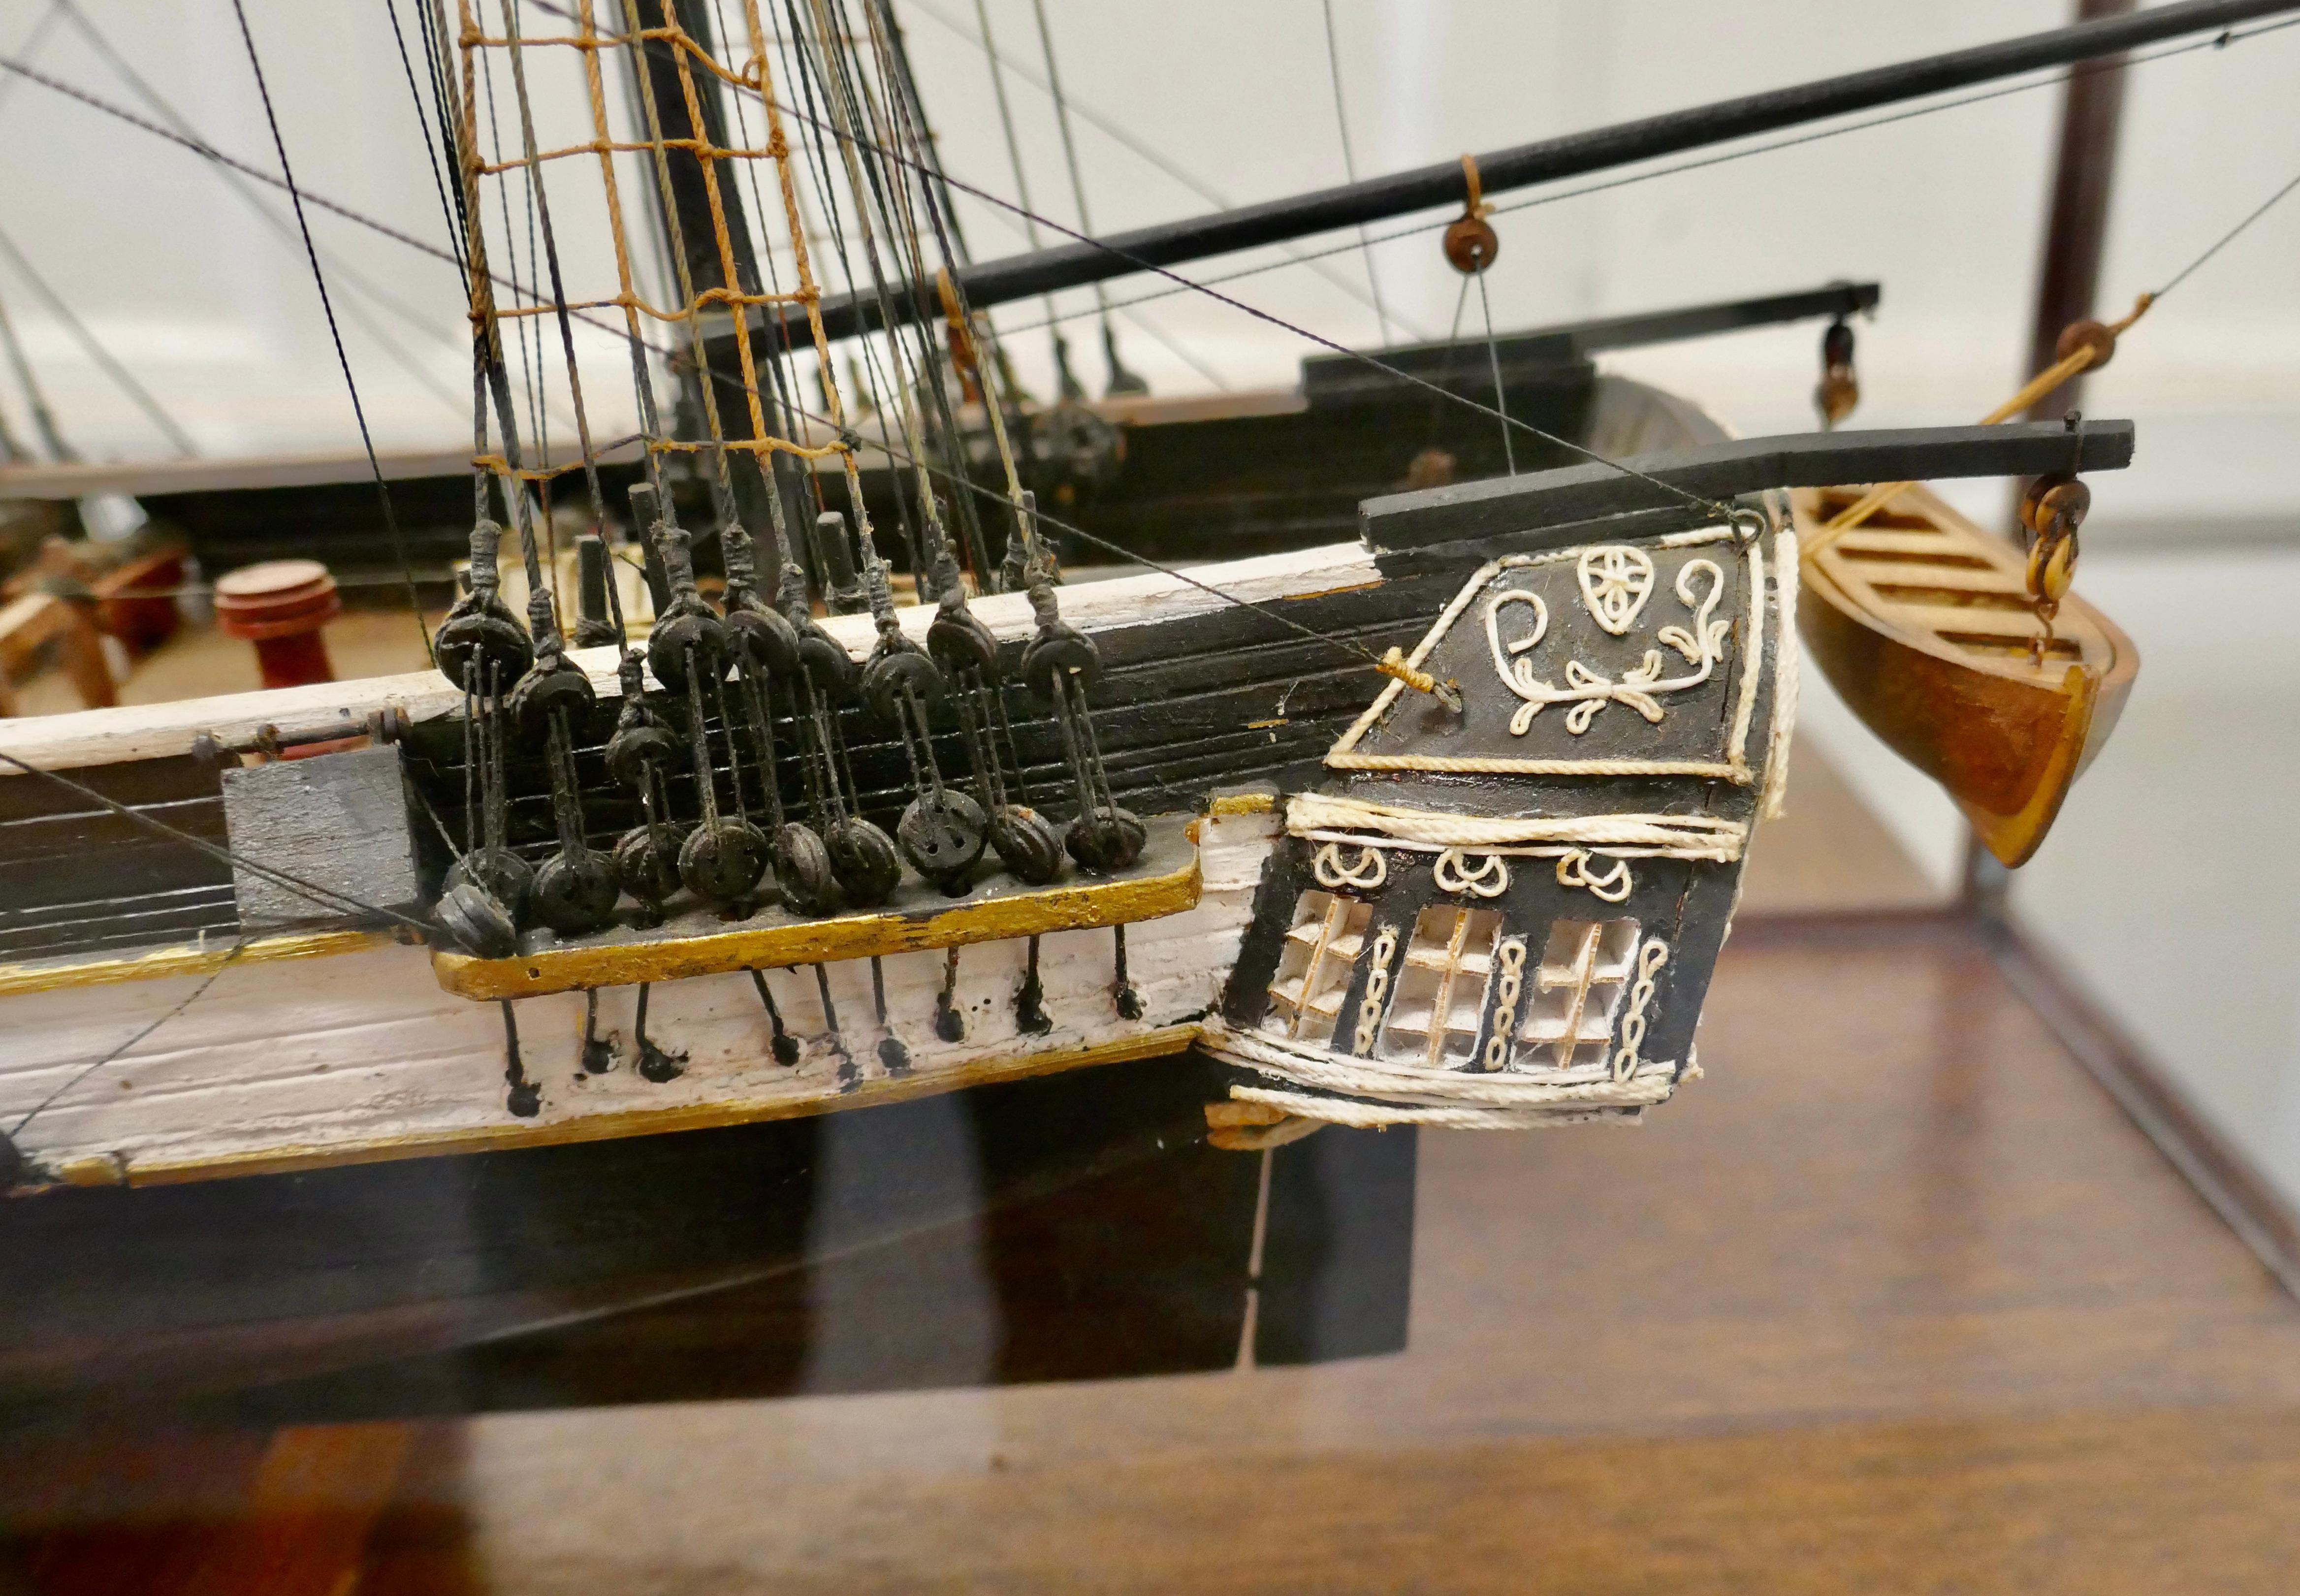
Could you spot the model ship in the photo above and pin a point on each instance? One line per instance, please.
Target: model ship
(1442, 824)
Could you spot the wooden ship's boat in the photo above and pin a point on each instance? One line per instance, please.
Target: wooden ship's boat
(1927, 627)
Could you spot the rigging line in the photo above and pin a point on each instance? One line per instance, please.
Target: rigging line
(762, 243)
(901, 223)
(320, 277)
(1274, 320)
(1453, 348)
(34, 39)
(423, 121)
(541, 200)
(279, 224)
(2115, 64)
(1014, 161)
(510, 247)
(846, 90)
(891, 110)
(120, 374)
(326, 897)
(967, 187)
(1350, 169)
(1137, 320)
(1078, 181)
(1045, 520)
(990, 374)
(2229, 237)
(209, 151)
(23, 70)
(650, 420)
(1494, 359)
(722, 486)
(1086, 113)
(468, 244)
(907, 80)
(490, 376)
(808, 73)
(188, 999)
(43, 418)
(1138, 264)
(995, 374)
(72, 92)
(366, 286)
(799, 72)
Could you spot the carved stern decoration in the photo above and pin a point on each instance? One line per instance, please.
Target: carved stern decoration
(1507, 916)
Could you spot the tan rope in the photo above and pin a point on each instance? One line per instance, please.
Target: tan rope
(1309, 812)
(691, 304)
(1477, 199)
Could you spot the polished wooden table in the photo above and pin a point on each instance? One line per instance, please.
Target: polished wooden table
(1897, 1299)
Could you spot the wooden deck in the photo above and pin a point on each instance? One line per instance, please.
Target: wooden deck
(1897, 1300)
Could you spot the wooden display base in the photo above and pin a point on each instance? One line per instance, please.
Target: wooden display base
(698, 941)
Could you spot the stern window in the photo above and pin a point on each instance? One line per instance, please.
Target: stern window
(1314, 972)
(1577, 990)
(1441, 989)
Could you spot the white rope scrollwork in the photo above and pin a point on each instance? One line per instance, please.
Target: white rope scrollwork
(1385, 946)
(1615, 580)
(1490, 879)
(1508, 986)
(1650, 958)
(1370, 871)
(1612, 886)
(1588, 691)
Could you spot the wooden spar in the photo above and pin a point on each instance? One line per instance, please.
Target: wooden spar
(1602, 149)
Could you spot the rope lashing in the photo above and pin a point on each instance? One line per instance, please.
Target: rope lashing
(1393, 664)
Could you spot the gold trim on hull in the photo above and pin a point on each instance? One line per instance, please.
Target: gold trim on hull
(201, 958)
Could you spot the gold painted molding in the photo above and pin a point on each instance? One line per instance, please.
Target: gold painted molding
(201, 958)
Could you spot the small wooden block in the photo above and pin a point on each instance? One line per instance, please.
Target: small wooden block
(338, 820)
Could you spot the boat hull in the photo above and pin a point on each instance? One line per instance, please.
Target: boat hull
(1917, 620)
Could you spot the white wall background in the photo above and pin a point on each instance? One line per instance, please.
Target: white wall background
(165, 262)
(162, 258)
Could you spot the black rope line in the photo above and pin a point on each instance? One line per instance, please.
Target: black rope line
(1350, 163)
(1494, 360)
(344, 272)
(326, 897)
(539, 200)
(120, 374)
(43, 420)
(1085, 112)
(2229, 237)
(320, 277)
(188, 999)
